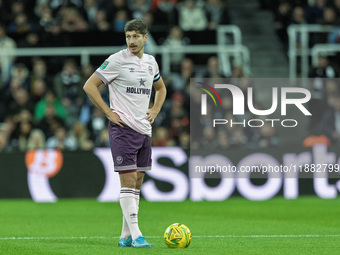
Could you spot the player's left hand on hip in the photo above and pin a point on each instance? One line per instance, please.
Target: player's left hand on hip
(151, 115)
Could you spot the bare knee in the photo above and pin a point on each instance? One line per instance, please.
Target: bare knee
(128, 180)
(140, 178)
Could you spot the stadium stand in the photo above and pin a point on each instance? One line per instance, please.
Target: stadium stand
(47, 91)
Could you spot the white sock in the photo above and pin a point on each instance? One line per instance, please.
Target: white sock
(137, 195)
(125, 229)
(130, 211)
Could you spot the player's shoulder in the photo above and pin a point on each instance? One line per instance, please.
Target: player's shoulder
(117, 58)
(149, 57)
(124, 53)
(119, 54)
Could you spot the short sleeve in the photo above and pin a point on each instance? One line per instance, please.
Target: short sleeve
(157, 73)
(109, 69)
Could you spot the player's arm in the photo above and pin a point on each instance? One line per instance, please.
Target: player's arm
(159, 100)
(91, 89)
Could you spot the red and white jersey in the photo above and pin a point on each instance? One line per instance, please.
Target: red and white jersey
(130, 81)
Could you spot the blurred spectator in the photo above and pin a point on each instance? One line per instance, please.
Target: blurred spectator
(267, 136)
(184, 141)
(208, 140)
(25, 115)
(21, 102)
(336, 5)
(4, 143)
(85, 111)
(217, 13)
(298, 16)
(175, 40)
(150, 44)
(73, 21)
(318, 103)
(113, 6)
(40, 7)
(24, 129)
(323, 70)
(67, 83)
(81, 135)
(60, 140)
(5, 41)
(238, 137)
(96, 124)
(162, 138)
(8, 95)
(91, 9)
(174, 108)
(4, 138)
(166, 14)
(177, 116)
(104, 139)
(329, 17)
(20, 73)
(332, 87)
(8, 44)
(36, 140)
(49, 100)
(18, 125)
(56, 5)
(102, 23)
(50, 122)
(16, 7)
(314, 11)
(223, 140)
(68, 87)
(213, 69)
(176, 129)
(177, 108)
(191, 16)
(46, 19)
(40, 72)
(86, 72)
(237, 71)
(330, 122)
(282, 19)
(156, 3)
(334, 36)
(120, 20)
(139, 7)
(31, 40)
(11, 125)
(180, 81)
(21, 25)
(38, 90)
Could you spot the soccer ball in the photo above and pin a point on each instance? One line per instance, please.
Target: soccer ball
(177, 235)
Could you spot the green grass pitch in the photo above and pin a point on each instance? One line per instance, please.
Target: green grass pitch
(307, 225)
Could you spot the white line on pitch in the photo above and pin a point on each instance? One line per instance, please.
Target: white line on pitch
(117, 237)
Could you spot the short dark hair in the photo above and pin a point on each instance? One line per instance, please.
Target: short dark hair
(137, 25)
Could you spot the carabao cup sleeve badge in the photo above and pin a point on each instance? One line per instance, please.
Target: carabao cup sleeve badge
(104, 65)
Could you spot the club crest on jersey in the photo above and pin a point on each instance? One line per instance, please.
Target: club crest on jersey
(119, 159)
(150, 70)
(104, 65)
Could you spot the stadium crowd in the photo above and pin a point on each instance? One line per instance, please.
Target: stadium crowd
(324, 82)
(42, 104)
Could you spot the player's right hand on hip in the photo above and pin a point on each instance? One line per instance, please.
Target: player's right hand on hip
(114, 118)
